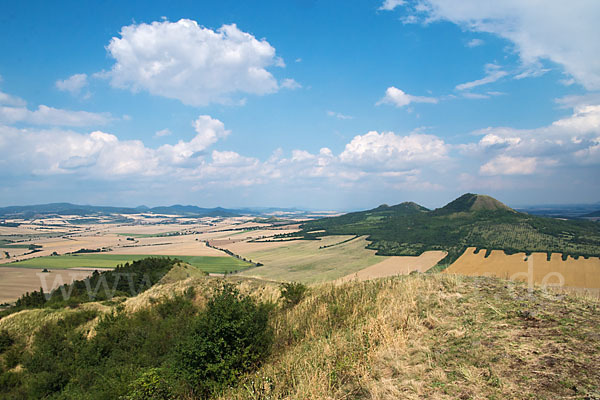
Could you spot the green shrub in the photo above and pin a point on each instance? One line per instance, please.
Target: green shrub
(13, 356)
(150, 386)
(232, 336)
(168, 350)
(292, 292)
(5, 341)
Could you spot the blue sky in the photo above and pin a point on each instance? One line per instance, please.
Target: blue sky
(320, 104)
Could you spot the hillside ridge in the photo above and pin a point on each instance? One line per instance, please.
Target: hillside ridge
(471, 202)
(471, 220)
(419, 336)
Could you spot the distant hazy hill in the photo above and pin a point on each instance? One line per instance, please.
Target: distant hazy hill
(562, 210)
(593, 214)
(193, 211)
(470, 220)
(86, 210)
(63, 209)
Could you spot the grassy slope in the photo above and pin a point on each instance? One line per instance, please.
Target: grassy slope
(304, 261)
(205, 263)
(431, 336)
(423, 336)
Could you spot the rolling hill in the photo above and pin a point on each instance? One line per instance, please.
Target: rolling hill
(87, 210)
(414, 337)
(471, 220)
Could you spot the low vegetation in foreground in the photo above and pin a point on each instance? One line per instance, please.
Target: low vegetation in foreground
(418, 336)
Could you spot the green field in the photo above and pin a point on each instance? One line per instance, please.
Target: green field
(15, 246)
(303, 260)
(205, 263)
(149, 235)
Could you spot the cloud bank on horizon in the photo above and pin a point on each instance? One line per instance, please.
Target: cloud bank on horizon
(191, 74)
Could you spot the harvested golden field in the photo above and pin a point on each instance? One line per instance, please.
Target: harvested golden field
(14, 282)
(307, 261)
(397, 265)
(12, 252)
(536, 269)
(156, 239)
(185, 245)
(247, 247)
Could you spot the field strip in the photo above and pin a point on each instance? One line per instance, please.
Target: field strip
(308, 261)
(397, 265)
(580, 273)
(14, 282)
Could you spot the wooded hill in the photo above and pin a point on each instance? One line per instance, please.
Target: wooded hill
(470, 220)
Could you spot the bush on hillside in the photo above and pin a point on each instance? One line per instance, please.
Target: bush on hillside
(5, 341)
(292, 292)
(150, 386)
(232, 336)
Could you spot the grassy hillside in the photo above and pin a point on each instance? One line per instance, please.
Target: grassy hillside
(471, 220)
(420, 336)
(313, 261)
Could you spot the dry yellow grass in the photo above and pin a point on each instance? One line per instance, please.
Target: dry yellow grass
(185, 245)
(397, 265)
(203, 286)
(580, 273)
(246, 247)
(312, 261)
(24, 324)
(12, 252)
(434, 336)
(431, 336)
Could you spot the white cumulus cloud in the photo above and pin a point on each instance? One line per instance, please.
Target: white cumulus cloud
(51, 116)
(162, 132)
(564, 32)
(387, 150)
(208, 131)
(7, 99)
(101, 154)
(291, 84)
(389, 5)
(73, 84)
(568, 142)
(507, 165)
(399, 98)
(196, 65)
